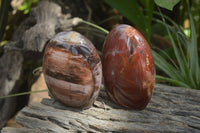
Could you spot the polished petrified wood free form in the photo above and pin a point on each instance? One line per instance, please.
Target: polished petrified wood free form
(72, 69)
(128, 67)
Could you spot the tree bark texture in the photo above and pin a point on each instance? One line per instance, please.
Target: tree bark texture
(171, 109)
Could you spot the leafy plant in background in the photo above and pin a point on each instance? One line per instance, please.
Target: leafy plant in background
(140, 12)
(167, 4)
(131, 9)
(4, 13)
(195, 10)
(26, 6)
(186, 72)
(184, 69)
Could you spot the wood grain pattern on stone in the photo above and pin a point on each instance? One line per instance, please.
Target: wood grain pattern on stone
(128, 67)
(171, 109)
(72, 69)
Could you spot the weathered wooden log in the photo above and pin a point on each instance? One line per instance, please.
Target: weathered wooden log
(171, 109)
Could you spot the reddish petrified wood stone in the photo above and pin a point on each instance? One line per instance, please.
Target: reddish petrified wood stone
(128, 67)
(72, 69)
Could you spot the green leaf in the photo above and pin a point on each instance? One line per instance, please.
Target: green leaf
(170, 20)
(26, 11)
(22, 7)
(131, 10)
(181, 62)
(187, 73)
(176, 51)
(175, 82)
(165, 66)
(166, 54)
(167, 4)
(193, 55)
(149, 6)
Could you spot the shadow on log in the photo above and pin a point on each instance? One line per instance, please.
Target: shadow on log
(171, 109)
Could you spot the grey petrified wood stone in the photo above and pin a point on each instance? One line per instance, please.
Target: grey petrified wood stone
(26, 47)
(171, 109)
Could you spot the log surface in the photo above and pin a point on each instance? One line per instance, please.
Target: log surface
(171, 109)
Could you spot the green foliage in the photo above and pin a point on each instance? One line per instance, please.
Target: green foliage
(184, 69)
(195, 10)
(186, 72)
(168, 4)
(26, 6)
(4, 10)
(140, 12)
(132, 11)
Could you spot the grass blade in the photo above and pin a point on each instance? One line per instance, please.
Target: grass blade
(23, 93)
(186, 54)
(175, 82)
(193, 55)
(176, 51)
(177, 27)
(164, 53)
(161, 63)
(95, 26)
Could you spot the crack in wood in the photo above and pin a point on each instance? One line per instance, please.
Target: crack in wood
(159, 116)
(55, 121)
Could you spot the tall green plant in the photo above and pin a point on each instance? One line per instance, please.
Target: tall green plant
(140, 12)
(131, 9)
(186, 72)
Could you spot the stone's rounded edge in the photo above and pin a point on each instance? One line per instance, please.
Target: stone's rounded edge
(128, 67)
(79, 56)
